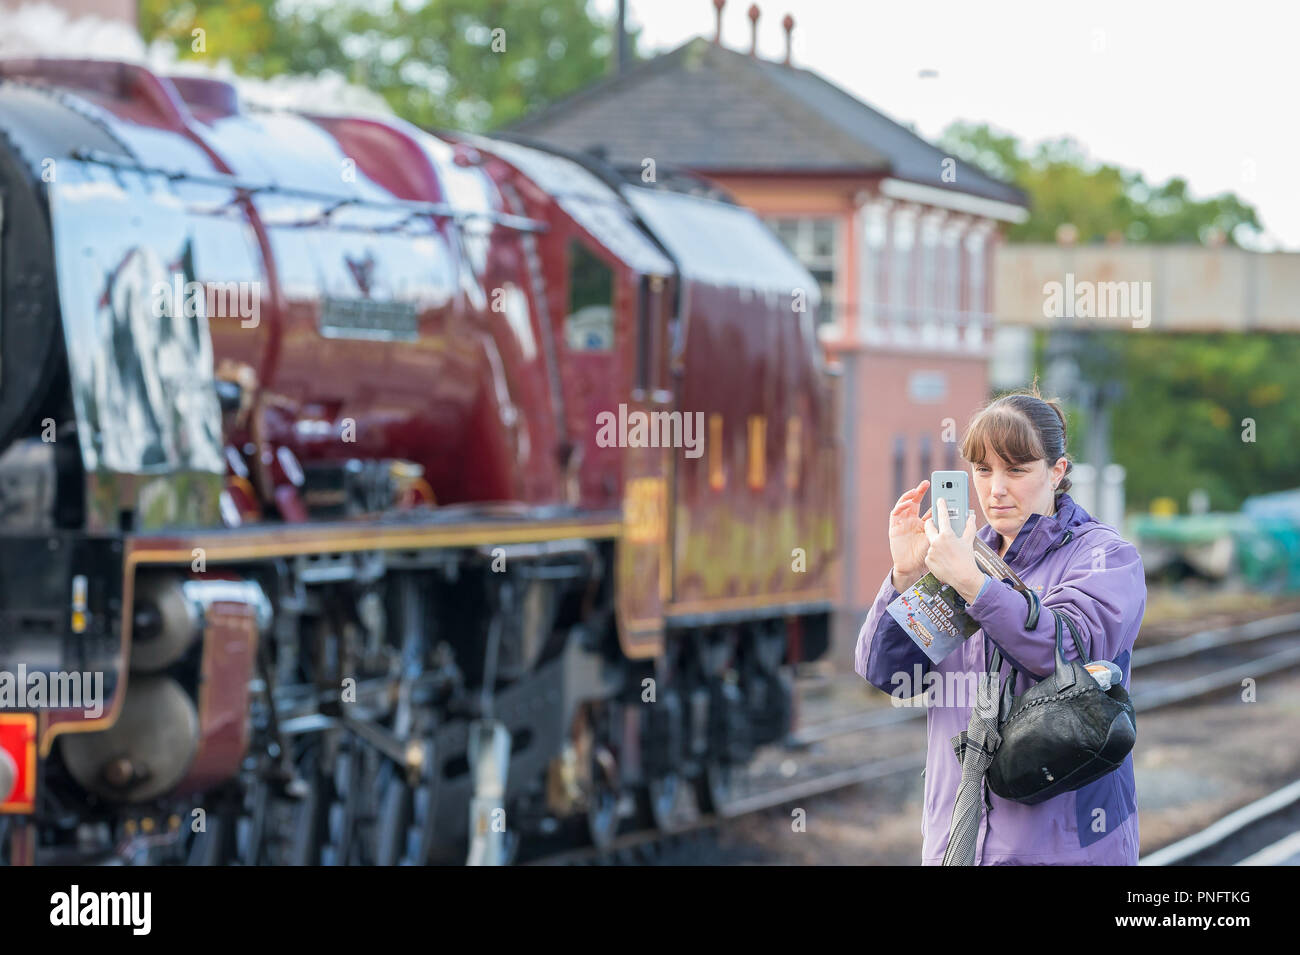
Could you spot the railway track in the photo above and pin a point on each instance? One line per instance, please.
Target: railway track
(641, 844)
(1232, 652)
(1229, 650)
(1265, 832)
(1144, 659)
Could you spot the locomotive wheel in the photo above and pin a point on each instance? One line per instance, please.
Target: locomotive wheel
(602, 816)
(397, 832)
(602, 810)
(250, 826)
(304, 824)
(345, 813)
(205, 848)
(598, 770)
(603, 800)
(510, 847)
(659, 801)
(280, 822)
(356, 798)
(339, 813)
(426, 815)
(714, 787)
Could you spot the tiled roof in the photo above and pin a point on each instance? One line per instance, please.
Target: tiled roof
(707, 108)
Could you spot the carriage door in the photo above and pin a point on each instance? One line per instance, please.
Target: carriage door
(644, 566)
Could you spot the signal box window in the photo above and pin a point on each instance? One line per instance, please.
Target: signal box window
(813, 241)
(589, 325)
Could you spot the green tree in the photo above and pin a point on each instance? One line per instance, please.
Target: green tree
(1183, 423)
(1193, 410)
(464, 64)
(257, 36)
(1177, 420)
(1101, 200)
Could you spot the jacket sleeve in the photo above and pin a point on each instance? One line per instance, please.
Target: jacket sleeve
(884, 648)
(1102, 590)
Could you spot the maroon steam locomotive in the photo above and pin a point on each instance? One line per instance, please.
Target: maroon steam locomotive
(388, 497)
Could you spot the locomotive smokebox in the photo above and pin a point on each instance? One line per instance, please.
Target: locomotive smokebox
(29, 329)
(146, 752)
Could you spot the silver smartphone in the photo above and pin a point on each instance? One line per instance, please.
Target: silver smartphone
(954, 488)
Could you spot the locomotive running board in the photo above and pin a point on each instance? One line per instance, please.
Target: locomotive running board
(445, 528)
(286, 540)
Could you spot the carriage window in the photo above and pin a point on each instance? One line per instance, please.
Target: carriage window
(589, 325)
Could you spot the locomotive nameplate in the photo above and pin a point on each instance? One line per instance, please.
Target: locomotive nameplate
(368, 318)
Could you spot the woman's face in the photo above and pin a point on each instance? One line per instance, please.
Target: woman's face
(1009, 493)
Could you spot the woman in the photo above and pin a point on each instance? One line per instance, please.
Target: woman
(1079, 566)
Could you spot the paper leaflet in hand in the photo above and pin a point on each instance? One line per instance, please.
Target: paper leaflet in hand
(934, 615)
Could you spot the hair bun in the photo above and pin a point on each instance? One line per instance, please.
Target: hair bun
(1055, 406)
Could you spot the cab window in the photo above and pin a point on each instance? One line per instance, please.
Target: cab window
(589, 326)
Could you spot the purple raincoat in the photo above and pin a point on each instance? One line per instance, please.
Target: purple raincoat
(1084, 569)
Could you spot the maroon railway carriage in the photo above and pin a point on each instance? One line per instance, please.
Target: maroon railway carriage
(381, 478)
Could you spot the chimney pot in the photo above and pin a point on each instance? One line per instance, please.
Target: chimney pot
(717, 29)
(753, 29)
(788, 24)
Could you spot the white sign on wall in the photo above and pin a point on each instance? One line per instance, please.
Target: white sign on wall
(927, 387)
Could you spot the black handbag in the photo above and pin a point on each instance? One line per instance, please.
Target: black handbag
(1064, 731)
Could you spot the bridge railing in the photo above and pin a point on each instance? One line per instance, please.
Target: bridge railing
(1166, 287)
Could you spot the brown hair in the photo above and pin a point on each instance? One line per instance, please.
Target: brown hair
(1021, 427)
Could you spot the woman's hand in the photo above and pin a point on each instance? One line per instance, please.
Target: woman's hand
(907, 541)
(952, 558)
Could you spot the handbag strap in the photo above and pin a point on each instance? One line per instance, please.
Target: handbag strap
(1062, 666)
(975, 748)
(979, 743)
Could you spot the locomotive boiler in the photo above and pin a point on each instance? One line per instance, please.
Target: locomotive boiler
(412, 496)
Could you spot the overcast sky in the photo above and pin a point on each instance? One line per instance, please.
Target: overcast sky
(1206, 91)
